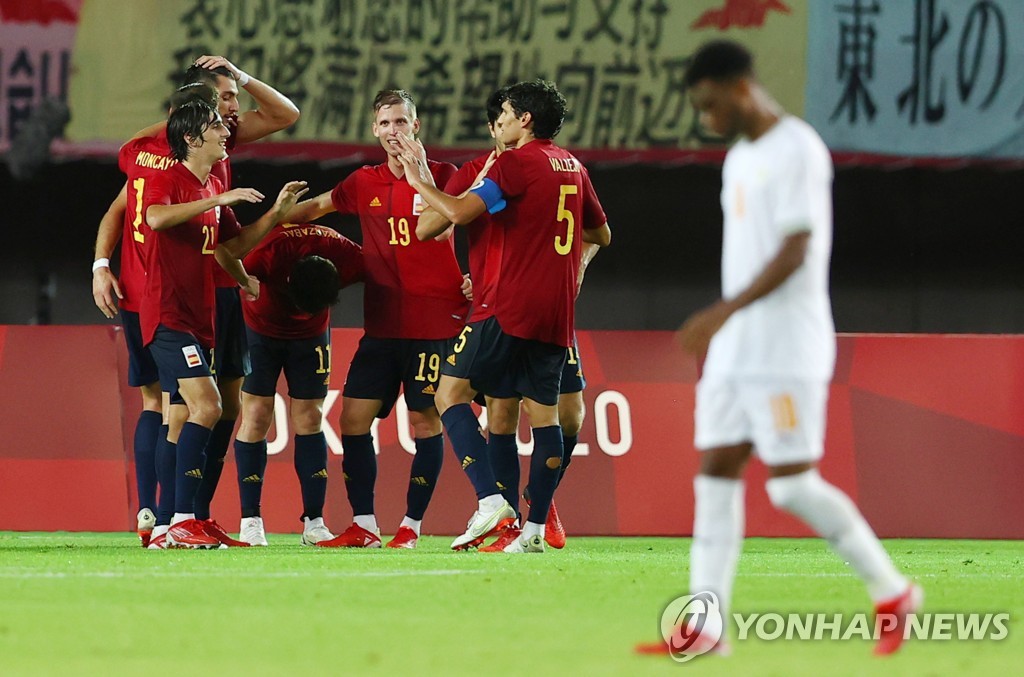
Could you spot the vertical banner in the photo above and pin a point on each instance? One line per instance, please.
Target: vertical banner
(36, 39)
(940, 78)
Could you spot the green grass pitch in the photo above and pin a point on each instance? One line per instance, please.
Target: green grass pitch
(92, 604)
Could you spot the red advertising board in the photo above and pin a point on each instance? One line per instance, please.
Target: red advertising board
(924, 432)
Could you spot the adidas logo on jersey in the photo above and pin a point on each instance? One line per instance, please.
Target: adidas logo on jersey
(468, 461)
(194, 472)
(429, 390)
(375, 202)
(252, 478)
(419, 481)
(501, 487)
(322, 473)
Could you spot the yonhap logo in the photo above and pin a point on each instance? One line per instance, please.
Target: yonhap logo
(692, 625)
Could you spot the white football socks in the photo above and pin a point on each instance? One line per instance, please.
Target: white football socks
(368, 522)
(717, 536)
(490, 503)
(181, 517)
(832, 514)
(531, 529)
(412, 524)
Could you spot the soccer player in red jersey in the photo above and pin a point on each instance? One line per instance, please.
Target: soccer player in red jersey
(273, 112)
(536, 193)
(184, 211)
(503, 403)
(412, 309)
(301, 268)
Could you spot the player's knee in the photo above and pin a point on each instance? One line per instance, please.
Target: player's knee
(355, 422)
(307, 420)
(784, 492)
(502, 416)
(207, 413)
(571, 412)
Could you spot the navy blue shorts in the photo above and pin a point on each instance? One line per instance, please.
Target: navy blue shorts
(506, 366)
(178, 355)
(306, 364)
(381, 367)
(231, 352)
(572, 379)
(141, 367)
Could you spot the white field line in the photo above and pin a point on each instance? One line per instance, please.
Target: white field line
(220, 573)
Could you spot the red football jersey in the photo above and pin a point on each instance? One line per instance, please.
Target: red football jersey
(179, 291)
(550, 198)
(412, 288)
(141, 160)
(222, 170)
(273, 314)
(481, 240)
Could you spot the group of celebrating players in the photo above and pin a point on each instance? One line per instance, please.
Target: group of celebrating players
(213, 312)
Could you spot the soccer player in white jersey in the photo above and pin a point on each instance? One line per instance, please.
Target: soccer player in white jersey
(770, 341)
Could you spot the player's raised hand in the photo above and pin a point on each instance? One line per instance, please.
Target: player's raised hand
(696, 333)
(104, 289)
(414, 158)
(289, 196)
(210, 62)
(251, 288)
(237, 195)
(488, 163)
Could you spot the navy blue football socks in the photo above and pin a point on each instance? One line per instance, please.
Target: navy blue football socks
(360, 467)
(166, 466)
(147, 432)
(191, 461)
(504, 453)
(470, 447)
(311, 468)
(216, 450)
(568, 446)
(251, 461)
(545, 466)
(426, 467)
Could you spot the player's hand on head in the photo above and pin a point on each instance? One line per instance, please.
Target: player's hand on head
(238, 195)
(104, 290)
(210, 62)
(467, 287)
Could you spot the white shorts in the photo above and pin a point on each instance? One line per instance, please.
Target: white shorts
(783, 418)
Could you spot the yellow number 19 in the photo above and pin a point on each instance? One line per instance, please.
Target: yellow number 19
(564, 247)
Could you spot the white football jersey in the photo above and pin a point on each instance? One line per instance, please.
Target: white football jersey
(772, 187)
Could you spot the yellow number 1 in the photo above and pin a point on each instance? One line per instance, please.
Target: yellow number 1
(138, 185)
(564, 247)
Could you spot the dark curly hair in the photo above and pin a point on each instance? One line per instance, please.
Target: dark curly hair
(189, 121)
(543, 101)
(719, 60)
(314, 284)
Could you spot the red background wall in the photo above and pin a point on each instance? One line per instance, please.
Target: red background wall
(925, 432)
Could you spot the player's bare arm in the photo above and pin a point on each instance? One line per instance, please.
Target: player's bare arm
(309, 210)
(431, 225)
(236, 269)
(250, 235)
(590, 250)
(274, 111)
(104, 284)
(602, 236)
(161, 217)
(697, 331)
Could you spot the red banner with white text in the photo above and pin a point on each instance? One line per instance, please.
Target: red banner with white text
(924, 432)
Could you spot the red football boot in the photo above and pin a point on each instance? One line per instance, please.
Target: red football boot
(215, 530)
(891, 618)
(508, 535)
(404, 538)
(191, 534)
(554, 532)
(353, 537)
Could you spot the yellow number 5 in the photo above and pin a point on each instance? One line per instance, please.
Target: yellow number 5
(564, 247)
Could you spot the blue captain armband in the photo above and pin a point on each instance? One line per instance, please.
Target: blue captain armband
(488, 191)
